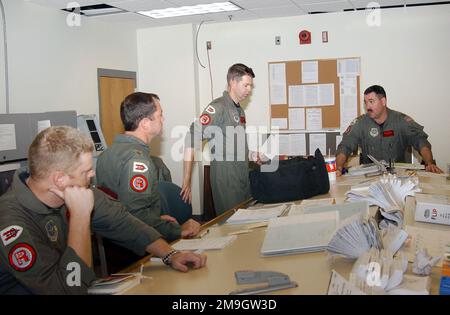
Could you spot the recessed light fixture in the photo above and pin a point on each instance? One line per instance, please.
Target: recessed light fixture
(192, 10)
(95, 10)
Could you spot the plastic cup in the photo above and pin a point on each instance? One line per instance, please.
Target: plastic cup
(330, 162)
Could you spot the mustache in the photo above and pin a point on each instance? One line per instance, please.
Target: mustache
(369, 110)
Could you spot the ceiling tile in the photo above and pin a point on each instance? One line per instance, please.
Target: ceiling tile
(277, 12)
(335, 6)
(383, 3)
(257, 4)
(62, 4)
(139, 5)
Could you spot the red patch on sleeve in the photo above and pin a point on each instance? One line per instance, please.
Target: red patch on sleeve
(205, 119)
(22, 257)
(242, 119)
(139, 183)
(388, 133)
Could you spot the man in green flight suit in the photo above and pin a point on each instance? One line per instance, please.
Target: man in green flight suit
(383, 133)
(222, 124)
(127, 169)
(47, 215)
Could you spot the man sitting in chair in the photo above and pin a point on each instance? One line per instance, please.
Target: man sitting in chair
(128, 170)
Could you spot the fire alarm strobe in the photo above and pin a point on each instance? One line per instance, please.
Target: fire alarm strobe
(304, 37)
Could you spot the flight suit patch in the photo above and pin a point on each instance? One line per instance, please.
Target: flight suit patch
(388, 133)
(22, 257)
(139, 183)
(242, 119)
(374, 132)
(236, 118)
(52, 230)
(205, 119)
(139, 167)
(211, 109)
(10, 234)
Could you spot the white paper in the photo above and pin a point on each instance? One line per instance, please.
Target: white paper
(205, 243)
(297, 144)
(314, 119)
(348, 67)
(349, 98)
(7, 137)
(309, 95)
(296, 118)
(338, 141)
(310, 71)
(317, 140)
(43, 124)
(326, 94)
(277, 82)
(281, 123)
(256, 215)
(283, 142)
(340, 286)
(295, 96)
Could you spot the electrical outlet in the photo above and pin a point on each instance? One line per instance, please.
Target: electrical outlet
(208, 45)
(277, 40)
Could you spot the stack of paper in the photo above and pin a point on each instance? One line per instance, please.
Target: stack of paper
(412, 285)
(114, 284)
(363, 169)
(300, 233)
(355, 236)
(205, 243)
(246, 216)
(389, 193)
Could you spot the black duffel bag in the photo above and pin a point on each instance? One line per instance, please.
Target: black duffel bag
(296, 178)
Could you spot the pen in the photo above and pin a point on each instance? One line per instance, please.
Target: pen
(203, 233)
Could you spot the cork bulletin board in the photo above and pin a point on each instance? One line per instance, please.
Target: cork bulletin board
(328, 72)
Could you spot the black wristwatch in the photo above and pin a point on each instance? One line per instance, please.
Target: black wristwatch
(166, 259)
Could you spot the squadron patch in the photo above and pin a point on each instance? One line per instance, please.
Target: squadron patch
(10, 234)
(139, 167)
(236, 118)
(22, 257)
(211, 109)
(373, 132)
(242, 119)
(139, 183)
(205, 119)
(52, 230)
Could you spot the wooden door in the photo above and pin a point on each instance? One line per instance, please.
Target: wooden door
(112, 92)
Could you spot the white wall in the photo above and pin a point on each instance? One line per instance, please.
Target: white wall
(407, 54)
(53, 66)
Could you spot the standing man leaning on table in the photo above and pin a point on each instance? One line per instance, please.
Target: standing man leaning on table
(229, 166)
(383, 133)
(47, 215)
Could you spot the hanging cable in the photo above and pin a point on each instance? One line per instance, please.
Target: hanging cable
(196, 43)
(5, 47)
(210, 74)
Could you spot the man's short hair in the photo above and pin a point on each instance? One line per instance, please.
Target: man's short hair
(377, 89)
(237, 71)
(135, 107)
(57, 149)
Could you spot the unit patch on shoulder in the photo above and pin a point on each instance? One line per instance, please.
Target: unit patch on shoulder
(10, 234)
(236, 118)
(139, 183)
(139, 167)
(205, 119)
(210, 109)
(22, 257)
(242, 119)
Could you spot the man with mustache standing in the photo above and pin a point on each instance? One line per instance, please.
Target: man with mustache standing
(383, 133)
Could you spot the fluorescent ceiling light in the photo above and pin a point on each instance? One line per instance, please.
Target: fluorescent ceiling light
(192, 10)
(101, 11)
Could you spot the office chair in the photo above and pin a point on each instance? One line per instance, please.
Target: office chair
(171, 202)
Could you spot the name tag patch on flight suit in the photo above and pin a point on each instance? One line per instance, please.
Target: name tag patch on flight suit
(139, 167)
(139, 183)
(211, 109)
(242, 119)
(52, 230)
(10, 234)
(22, 257)
(205, 119)
(388, 133)
(374, 132)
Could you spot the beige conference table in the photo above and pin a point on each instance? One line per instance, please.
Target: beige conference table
(311, 271)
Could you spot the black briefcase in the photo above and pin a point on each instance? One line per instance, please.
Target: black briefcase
(296, 178)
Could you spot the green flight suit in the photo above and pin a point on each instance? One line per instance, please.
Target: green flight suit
(127, 169)
(229, 166)
(34, 256)
(386, 141)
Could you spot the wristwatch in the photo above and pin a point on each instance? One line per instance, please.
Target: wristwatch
(166, 259)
